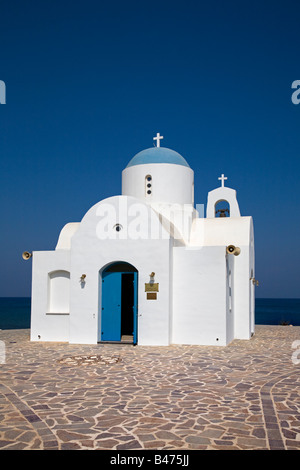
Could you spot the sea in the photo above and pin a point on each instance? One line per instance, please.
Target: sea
(15, 312)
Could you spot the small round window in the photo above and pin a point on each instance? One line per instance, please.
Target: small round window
(148, 185)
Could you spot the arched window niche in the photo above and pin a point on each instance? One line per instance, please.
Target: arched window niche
(59, 292)
(222, 208)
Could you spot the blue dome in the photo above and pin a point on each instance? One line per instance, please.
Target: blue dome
(157, 155)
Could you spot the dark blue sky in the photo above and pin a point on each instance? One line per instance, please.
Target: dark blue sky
(89, 83)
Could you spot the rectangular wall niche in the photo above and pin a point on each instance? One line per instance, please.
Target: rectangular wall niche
(59, 292)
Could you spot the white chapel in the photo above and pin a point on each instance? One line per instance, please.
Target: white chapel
(147, 267)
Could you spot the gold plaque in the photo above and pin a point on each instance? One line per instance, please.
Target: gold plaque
(151, 295)
(151, 287)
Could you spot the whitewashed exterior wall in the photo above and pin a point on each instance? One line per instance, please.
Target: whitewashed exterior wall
(205, 295)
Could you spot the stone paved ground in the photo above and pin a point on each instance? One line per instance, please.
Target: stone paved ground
(61, 396)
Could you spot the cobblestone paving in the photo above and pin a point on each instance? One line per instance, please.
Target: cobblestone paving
(61, 396)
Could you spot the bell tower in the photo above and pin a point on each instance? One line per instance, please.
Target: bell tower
(222, 194)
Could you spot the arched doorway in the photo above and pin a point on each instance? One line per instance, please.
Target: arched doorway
(119, 298)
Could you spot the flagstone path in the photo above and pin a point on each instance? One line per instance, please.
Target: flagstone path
(106, 396)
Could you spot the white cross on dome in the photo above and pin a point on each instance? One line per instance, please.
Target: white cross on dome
(158, 139)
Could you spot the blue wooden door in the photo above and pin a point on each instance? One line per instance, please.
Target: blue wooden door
(111, 306)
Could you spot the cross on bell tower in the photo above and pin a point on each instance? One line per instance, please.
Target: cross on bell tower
(222, 178)
(158, 139)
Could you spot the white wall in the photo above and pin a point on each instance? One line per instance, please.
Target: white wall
(65, 236)
(236, 231)
(199, 296)
(252, 286)
(192, 280)
(244, 302)
(48, 325)
(221, 231)
(242, 295)
(230, 293)
(90, 254)
(170, 183)
(177, 219)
